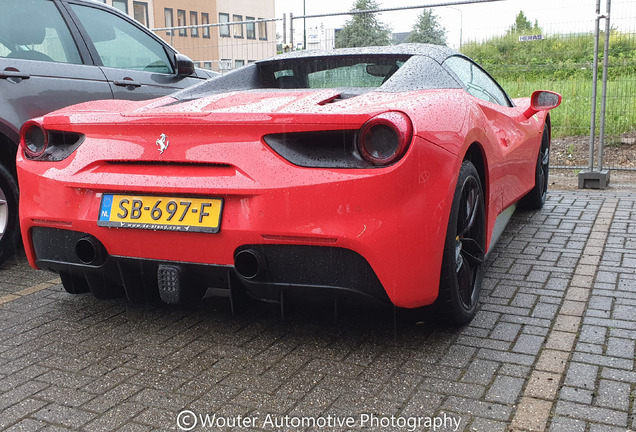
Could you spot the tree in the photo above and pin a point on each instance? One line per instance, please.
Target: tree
(363, 29)
(427, 29)
(523, 26)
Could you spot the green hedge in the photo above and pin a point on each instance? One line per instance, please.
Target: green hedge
(573, 116)
(556, 56)
(564, 64)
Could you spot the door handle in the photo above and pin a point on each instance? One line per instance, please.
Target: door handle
(13, 74)
(127, 82)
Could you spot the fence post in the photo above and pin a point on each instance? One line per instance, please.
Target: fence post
(597, 24)
(591, 178)
(601, 140)
(291, 30)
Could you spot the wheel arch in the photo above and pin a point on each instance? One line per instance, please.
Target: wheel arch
(548, 124)
(8, 151)
(9, 230)
(475, 154)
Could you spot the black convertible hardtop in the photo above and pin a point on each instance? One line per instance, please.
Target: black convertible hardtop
(438, 53)
(422, 69)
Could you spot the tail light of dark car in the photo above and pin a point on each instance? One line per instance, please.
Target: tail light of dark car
(380, 142)
(39, 143)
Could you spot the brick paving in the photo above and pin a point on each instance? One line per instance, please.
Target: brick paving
(551, 349)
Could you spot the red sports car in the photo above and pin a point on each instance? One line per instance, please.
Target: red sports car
(386, 172)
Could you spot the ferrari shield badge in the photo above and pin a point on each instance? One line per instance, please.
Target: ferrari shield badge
(162, 143)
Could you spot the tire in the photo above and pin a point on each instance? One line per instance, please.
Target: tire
(9, 222)
(462, 264)
(535, 199)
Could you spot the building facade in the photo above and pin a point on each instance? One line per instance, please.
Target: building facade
(240, 44)
(240, 31)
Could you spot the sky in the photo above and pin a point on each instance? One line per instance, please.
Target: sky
(474, 21)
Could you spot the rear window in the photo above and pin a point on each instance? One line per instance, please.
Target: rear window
(330, 72)
(352, 75)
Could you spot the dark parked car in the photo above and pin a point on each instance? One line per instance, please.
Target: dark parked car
(54, 53)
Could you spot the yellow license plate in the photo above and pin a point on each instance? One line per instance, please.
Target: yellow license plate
(161, 213)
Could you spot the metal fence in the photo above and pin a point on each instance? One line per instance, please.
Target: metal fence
(558, 55)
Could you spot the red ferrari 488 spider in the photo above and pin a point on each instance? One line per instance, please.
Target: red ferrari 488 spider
(386, 172)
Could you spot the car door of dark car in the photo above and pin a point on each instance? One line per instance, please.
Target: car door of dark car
(41, 66)
(136, 64)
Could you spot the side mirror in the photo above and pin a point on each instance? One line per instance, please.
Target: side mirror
(542, 100)
(185, 66)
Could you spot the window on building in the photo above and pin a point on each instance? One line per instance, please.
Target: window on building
(225, 64)
(205, 19)
(239, 63)
(140, 10)
(167, 13)
(250, 28)
(262, 30)
(207, 65)
(224, 30)
(181, 21)
(194, 20)
(238, 28)
(122, 5)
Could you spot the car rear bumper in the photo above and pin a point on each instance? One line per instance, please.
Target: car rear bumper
(291, 269)
(378, 232)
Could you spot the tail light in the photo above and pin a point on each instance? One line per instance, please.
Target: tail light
(48, 145)
(34, 140)
(385, 138)
(380, 142)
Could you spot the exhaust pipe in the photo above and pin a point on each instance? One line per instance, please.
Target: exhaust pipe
(88, 250)
(250, 264)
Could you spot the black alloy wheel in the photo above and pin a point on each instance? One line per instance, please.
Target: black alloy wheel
(464, 249)
(535, 199)
(543, 170)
